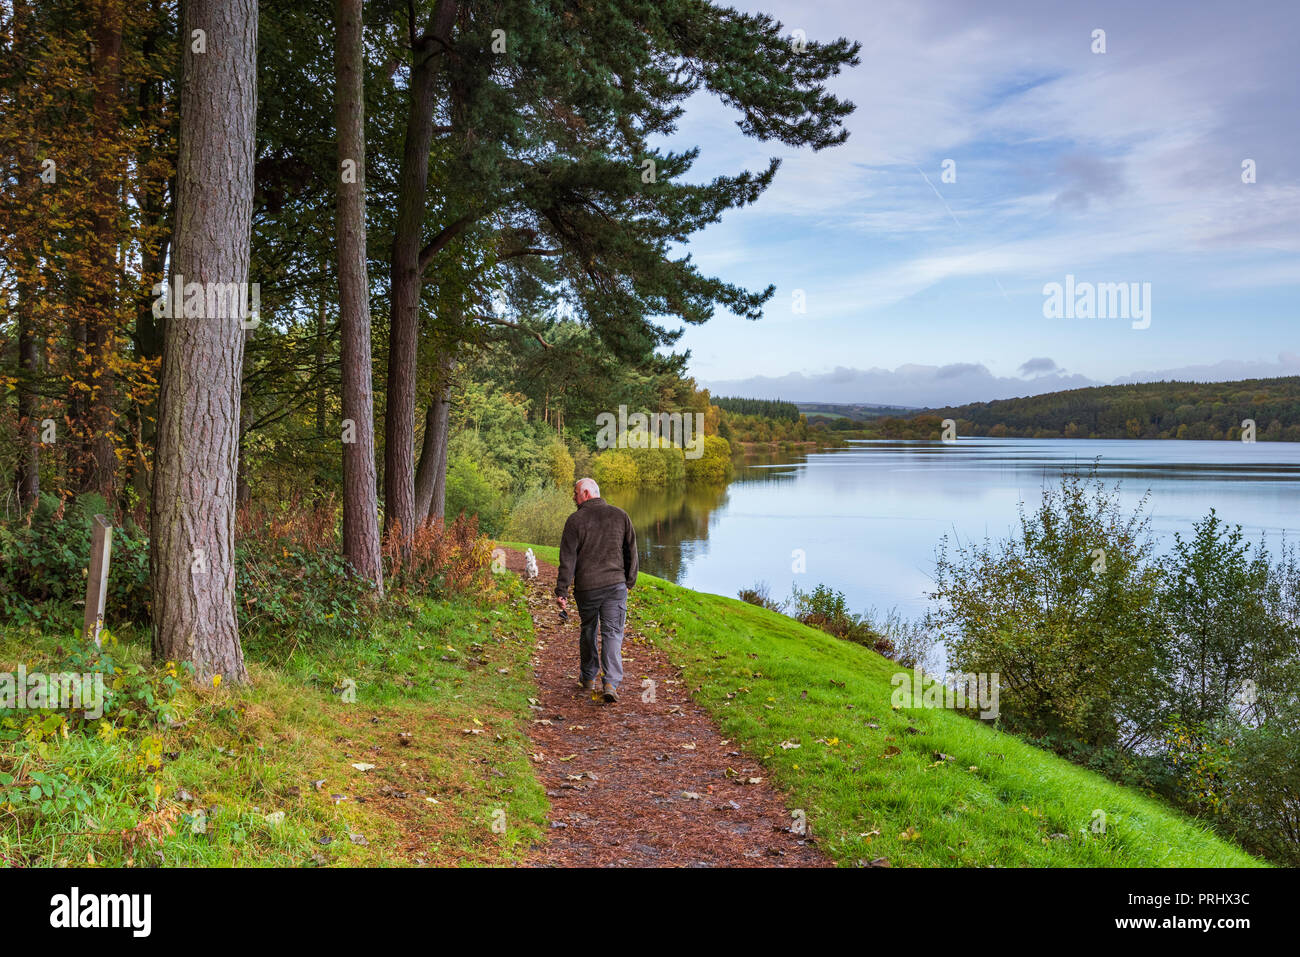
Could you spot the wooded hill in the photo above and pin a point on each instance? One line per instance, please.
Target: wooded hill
(1149, 410)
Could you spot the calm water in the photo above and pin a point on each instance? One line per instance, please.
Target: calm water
(868, 516)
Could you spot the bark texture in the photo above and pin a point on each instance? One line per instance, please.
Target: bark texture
(431, 476)
(360, 494)
(100, 465)
(406, 273)
(192, 542)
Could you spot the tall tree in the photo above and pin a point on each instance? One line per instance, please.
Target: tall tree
(360, 495)
(99, 469)
(546, 111)
(27, 480)
(429, 49)
(192, 542)
(431, 475)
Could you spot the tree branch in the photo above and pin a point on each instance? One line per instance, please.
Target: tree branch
(493, 320)
(439, 242)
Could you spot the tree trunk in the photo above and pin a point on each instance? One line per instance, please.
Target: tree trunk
(193, 523)
(100, 465)
(155, 238)
(431, 477)
(28, 475)
(438, 507)
(29, 357)
(360, 495)
(399, 414)
(406, 275)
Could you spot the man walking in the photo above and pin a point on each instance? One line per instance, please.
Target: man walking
(598, 556)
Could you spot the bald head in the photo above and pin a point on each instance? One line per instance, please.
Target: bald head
(584, 489)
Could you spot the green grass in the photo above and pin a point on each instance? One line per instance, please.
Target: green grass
(769, 680)
(447, 668)
(245, 754)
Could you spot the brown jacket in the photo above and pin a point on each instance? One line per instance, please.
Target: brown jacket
(597, 549)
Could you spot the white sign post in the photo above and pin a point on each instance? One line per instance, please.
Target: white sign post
(101, 547)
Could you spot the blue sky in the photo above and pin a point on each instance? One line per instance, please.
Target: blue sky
(1123, 166)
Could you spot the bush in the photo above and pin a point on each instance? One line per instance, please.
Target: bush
(1065, 611)
(714, 465)
(290, 574)
(1260, 789)
(44, 558)
(470, 493)
(38, 782)
(441, 559)
(674, 465)
(826, 609)
(912, 641)
(651, 467)
(561, 466)
(1214, 599)
(583, 460)
(539, 516)
(761, 596)
(615, 468)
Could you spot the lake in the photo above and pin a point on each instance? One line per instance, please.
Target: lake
(868, 516)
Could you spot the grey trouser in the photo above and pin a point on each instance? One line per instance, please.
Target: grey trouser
(608, 608)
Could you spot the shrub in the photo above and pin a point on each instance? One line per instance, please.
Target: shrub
(827, 609)
(583, 460)
(651, 467)
(561, 466)
(539, 516)
(1260, 787)
(1214, 599)
(1065, 611)
(761, 596)
(674, 464)
(615, 468)
(43, 562)
(714, 465)
(441, 559)
(290, 574)
(913, 643)
(470, 493)
(37, 782)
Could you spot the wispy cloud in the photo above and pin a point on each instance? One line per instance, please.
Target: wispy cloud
(1125, 164)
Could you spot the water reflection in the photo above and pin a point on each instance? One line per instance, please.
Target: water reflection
(672, 525)
(869, 515)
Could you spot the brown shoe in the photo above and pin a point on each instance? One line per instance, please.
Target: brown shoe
(587, 686)
(611, 695)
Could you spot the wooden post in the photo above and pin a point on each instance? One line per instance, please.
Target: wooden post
(101, 547)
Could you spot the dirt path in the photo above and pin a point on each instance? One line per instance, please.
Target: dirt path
(643, 783)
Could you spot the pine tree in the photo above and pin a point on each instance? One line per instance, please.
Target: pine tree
(192, 547)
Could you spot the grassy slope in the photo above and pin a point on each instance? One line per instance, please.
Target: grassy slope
(768, 680)
(434, 673)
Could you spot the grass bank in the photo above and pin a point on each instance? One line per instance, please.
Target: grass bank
(915, 787)
(403, 749)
